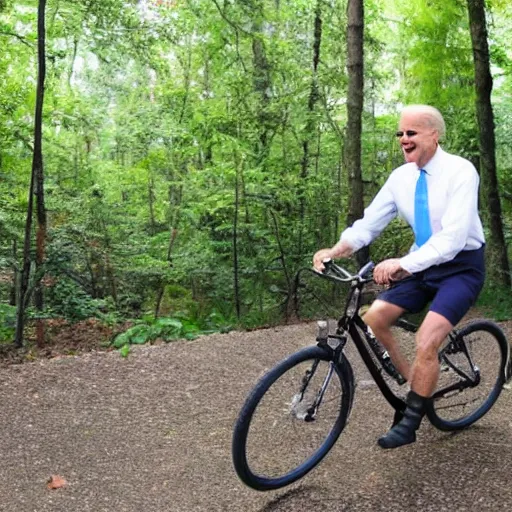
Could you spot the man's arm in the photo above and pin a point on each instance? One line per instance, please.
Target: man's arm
(381, 211)
(376, 217)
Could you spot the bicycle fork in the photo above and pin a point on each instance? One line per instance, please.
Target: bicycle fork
(308, 412)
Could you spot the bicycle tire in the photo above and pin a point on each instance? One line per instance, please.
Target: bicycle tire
(489, 351)
(257, 469)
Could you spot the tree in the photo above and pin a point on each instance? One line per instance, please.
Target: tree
(37, 186)
(500, 269)
(311, 127)
(355, 65)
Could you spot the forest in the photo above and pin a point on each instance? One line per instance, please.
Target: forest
(174, 163)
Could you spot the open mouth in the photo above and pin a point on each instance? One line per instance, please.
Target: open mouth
(409, 149)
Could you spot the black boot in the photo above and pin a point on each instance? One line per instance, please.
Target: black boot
(404, 432)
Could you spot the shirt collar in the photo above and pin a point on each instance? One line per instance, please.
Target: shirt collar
(431, 167)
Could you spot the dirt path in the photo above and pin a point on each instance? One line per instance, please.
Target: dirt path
(152, 432)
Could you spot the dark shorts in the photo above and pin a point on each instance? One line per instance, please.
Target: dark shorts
(452, 287)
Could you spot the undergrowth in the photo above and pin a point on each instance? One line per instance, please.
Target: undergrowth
(148, 329)
(496, 302)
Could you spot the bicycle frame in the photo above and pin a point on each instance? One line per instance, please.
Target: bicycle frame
(351, 324)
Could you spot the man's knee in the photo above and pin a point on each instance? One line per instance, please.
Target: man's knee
(382, 315)
(426, 349)
(431, 335)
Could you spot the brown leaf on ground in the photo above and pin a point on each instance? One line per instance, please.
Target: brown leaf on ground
(56, 482)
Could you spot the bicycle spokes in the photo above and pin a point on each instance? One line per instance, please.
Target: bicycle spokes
(305, 404)
(468, 373)
(456, 358)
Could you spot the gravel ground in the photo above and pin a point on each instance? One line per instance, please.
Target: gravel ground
(152, 432)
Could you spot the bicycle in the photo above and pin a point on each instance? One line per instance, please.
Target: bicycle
(296, 412)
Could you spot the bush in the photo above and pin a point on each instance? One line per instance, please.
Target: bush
(68, 300)
(496, 302)
(7, 322)
(167, 329)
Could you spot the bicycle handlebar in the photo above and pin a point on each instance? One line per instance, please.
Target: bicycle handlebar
(339, 274)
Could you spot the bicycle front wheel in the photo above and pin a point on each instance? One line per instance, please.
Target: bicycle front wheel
(291, 419)
(473, 367)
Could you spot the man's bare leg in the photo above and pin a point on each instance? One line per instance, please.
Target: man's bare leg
(425, 368)
(424, 376)
(381, 317)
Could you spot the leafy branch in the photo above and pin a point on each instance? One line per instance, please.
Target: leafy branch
(22, 39)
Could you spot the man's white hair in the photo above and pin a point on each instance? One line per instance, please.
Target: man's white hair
(432, 116)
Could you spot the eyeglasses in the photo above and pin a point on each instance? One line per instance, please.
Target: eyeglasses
(409, 133)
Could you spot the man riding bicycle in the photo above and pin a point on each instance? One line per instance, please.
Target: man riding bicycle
(437, 194)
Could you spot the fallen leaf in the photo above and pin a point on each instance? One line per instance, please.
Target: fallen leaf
(56, 482)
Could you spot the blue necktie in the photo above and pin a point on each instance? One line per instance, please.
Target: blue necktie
(422, 228)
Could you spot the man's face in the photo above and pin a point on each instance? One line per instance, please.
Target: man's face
(417, 139)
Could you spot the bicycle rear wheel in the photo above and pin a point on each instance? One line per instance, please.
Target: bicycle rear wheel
(473, 367)
(291, 419)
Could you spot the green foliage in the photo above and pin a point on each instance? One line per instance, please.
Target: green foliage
(167, 329)
(7, 322)
(68, 300)
(496, 302)
(158, 119)
(125, 350)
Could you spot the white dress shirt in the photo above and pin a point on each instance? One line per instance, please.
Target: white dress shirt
(453, 206)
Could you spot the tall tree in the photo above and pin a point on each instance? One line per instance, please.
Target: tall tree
(37, 186)
(355, 95)
(38, 169)
(261, 76)
(499, 267)
(311, 126)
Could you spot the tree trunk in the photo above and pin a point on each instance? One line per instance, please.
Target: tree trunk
(25, 270)
(39, 171)
(289, 305)
(261, 80)
(175, 194)
(208, 152)
(498, 259)
(310, 127)
(14, 285)
(37, 185)
(151, 204)
(355, 31)
(236, 276)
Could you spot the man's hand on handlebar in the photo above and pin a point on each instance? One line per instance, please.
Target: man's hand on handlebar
(341, 250)
(319, 258)
(388, 271)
